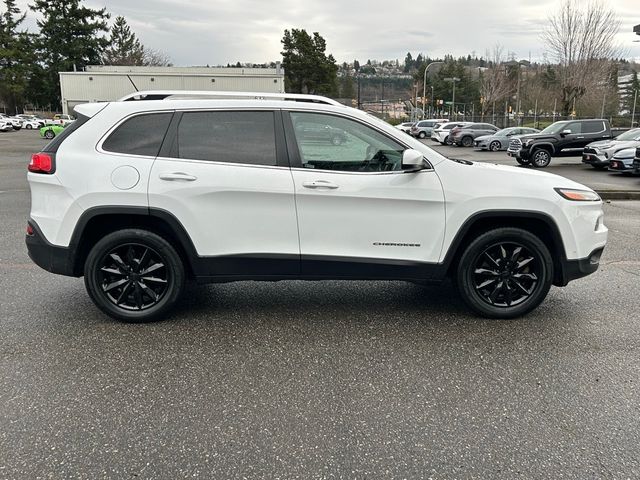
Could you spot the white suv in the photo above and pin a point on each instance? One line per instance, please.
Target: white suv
(139, 196)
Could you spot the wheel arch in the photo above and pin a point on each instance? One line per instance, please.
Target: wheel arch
(96, 222)
(537, 223)
(544, 146)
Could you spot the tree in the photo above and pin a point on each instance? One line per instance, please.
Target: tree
(16, 57)
(581, 38)
(494, 83)
(124, 48)
(70, 38)
(156, 58)
(307, 67)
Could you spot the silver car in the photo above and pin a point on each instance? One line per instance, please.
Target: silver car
(622, 161)
(423, 128)
(500, 140)
(598, 154)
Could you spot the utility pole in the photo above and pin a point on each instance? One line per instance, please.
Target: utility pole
(633, 115)
(424, 86)
(453, 99)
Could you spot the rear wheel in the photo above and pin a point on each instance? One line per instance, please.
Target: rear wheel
(504, 273)
(467, 141)
(28, 127)
(447, 141)
(422, 135)
(134, 275)
(540, 158)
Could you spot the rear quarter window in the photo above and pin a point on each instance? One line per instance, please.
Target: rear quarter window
(593, 126)
(139, 135)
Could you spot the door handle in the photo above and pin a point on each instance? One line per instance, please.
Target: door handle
(177, 176)
(320, 184)
(580, 137)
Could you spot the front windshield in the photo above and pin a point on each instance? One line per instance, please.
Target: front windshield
(630, 135)
(555, 127)
(505, 131)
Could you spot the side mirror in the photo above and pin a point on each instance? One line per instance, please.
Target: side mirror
(412, 159)
(566, 132)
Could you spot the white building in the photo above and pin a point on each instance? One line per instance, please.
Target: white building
(104, 83)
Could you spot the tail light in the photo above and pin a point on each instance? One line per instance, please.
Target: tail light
(30, 231)
(42, 163)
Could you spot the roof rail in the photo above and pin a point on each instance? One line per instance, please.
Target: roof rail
(205, 94)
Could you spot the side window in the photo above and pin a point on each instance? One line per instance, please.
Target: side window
(334, 143)
(139, 135)
(234, 137)
(592, 126)
(575, 127)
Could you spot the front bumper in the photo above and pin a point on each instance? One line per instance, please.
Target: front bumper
(521, 153)
(636, 165)
(52, 258)
(595, 159)
(574, 269)
(616, 165)
(481, 144)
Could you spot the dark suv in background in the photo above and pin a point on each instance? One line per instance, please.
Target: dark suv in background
(537, 149)
(467, 134)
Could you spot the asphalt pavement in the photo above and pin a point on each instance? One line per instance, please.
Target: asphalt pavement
(316, 380)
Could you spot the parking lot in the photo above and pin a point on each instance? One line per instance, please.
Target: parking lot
(320, 380)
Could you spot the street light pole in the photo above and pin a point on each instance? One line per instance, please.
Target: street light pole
(424, 85)
(453, 100)
(633, 116)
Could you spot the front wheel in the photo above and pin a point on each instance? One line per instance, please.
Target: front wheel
(540, 158)
(495, 146)
(504, 273)
(134, 275)
(28, 127)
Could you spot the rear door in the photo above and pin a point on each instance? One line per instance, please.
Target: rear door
(224, 175)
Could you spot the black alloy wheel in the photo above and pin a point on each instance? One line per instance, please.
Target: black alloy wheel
(495, 146)
(467, 141)
(504, 273)
(134, 275)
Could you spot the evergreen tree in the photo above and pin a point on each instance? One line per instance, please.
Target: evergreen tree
(308, 69)
(124, 48)
(70, 38)
(16, 57)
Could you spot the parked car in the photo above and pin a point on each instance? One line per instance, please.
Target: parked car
(5, 125)
(622, 161)
(563, 136)
(423, 128)
(50, 131)
(598, 154)
(218, 205)
(60, 119)
(321, 133)
(636, 162)
(441, 133)
(406, 126)
(467, 134)
(16, 123)
(32, 118)
(500, 140)
(30, 124)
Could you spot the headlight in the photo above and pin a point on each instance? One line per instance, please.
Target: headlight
(578, 195)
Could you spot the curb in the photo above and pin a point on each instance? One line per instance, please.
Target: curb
(619, 194)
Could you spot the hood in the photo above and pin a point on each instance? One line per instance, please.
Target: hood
(536, 136)
(483, 137)
(607, 144)
(626, 153)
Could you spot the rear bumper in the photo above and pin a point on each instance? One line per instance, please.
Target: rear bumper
(52, 258)
(574, 269)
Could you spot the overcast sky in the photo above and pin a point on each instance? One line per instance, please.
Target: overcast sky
(200, 32)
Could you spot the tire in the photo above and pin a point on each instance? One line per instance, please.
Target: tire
(122, 258)
(422, 135)
(466, 141)
(490, 281)
(495, 146)
(540, 158)
(29, 127)
(49, 134)
(447, 141)
(522, 161)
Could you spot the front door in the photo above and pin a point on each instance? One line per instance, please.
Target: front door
(359, 214)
